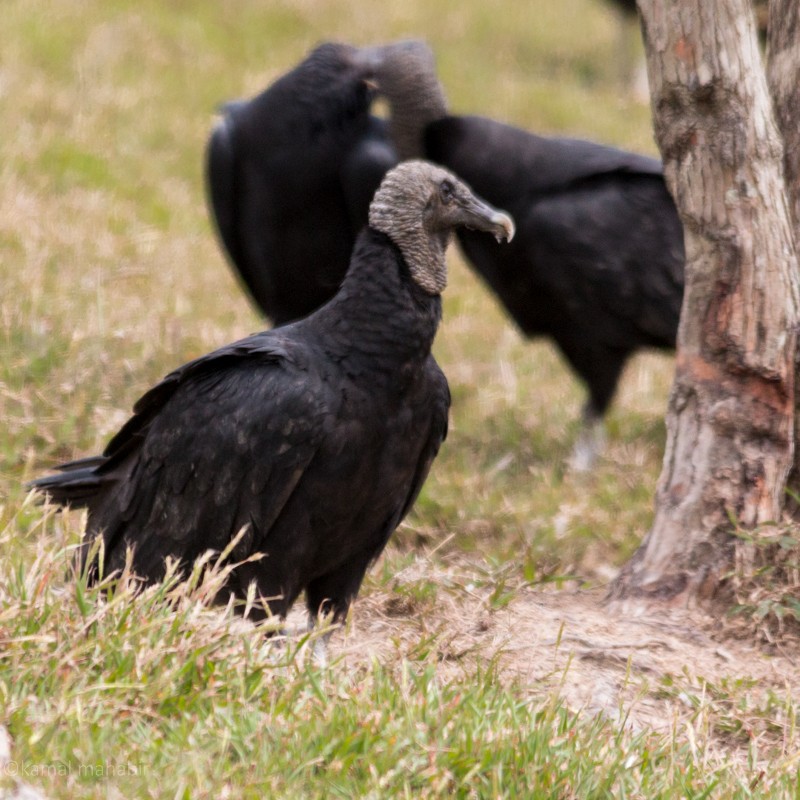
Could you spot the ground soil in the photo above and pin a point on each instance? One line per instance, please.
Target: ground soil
(616, 661)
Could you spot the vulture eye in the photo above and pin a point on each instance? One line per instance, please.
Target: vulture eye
(446, 191)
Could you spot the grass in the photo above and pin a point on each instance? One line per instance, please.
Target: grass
(111, 277)
(160, 696)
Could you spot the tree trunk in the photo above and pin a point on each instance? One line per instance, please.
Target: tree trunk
(730, 421)
(783, 74)
(783, 69)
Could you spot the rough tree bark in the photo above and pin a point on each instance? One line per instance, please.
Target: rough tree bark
(783, 75)
(730, 429)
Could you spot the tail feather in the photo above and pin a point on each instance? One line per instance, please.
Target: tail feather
(75, 483)
(81, 463)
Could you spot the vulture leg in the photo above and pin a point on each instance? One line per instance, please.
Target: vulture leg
(330, 595)
(319, 648)
(602, 386)
(328, 599)
(590, 442)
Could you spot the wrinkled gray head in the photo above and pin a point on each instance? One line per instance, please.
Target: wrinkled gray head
(405, 74)
(417, 206)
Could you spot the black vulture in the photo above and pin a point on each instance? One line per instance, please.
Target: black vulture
(314, 438)
(290, 175)
(597, 263)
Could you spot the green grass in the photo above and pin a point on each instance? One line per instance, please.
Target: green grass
(161, 696)
(111, 277)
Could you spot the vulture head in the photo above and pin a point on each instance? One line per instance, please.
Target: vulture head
(418, 205)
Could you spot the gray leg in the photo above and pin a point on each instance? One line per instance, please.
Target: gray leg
(590, 442)
(319, 648)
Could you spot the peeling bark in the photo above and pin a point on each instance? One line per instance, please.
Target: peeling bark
(730, 421)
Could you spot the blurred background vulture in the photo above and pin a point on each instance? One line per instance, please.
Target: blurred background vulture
(313, 438)
(597, 263)
(290, 175)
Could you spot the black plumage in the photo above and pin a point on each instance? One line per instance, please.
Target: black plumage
(315, 437)
(290, 175)
(597, 263)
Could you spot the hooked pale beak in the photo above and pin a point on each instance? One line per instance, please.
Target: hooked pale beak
(480, 216)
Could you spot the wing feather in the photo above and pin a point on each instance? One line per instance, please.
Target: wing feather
(437, 413)
(209, 463)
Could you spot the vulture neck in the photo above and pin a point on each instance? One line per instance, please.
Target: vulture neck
(380, 319)
(415, 100)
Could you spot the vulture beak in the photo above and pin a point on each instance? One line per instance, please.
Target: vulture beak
(478, 215)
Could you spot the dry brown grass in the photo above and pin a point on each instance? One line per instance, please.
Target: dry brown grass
(111, 277)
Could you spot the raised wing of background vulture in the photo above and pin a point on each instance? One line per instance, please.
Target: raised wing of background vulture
(315, 437)
(290, 175)
(597, 263)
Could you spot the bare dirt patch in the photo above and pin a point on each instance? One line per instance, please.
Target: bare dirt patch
(656, 669)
